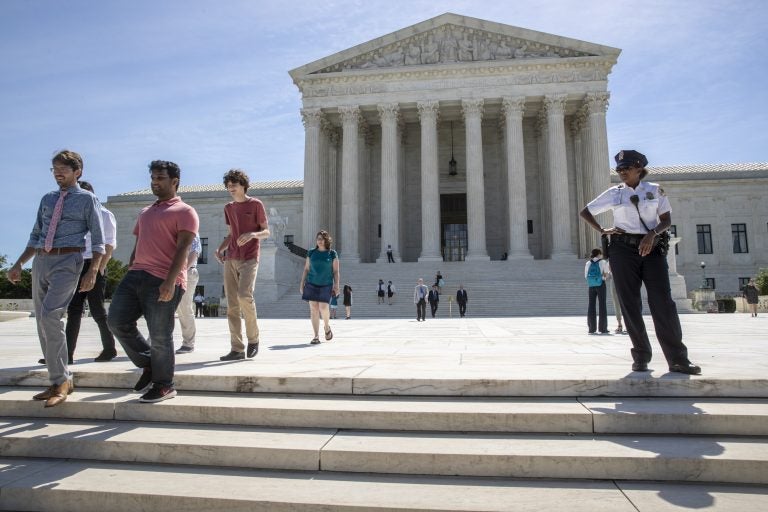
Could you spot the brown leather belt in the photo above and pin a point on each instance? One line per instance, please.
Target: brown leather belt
(58, 250)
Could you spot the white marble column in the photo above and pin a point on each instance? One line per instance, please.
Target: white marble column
(312, 176)
(545, 212)
(578, 156)
(598, 160)
(473, 115)
(390, 218)
(558, 177)
(515, 158)
(430, 189)
(350, 176)
(331, 200)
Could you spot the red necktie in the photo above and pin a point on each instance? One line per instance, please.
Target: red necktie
(54, 221)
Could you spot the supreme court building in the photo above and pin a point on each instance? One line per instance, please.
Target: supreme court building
(455, 139)
(462, 139)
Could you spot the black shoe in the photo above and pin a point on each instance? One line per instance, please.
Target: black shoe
(69, 361)
(253, 349)
(315, 341)
(106, 355)
(639, 367)
(233, 356)
(157, 394)
(185, 350)
(686, 368)
(144, 382)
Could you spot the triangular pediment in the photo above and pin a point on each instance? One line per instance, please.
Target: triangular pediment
(452, 39)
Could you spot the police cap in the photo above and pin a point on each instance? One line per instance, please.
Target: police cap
(630, 158)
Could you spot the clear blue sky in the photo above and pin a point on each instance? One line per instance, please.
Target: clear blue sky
(205, 83)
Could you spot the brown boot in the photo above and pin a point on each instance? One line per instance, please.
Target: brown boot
(45, 395)
(59, 394)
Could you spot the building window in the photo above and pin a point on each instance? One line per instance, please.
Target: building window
(202, 258)
(673, 233)
(709, 282)
(739, 233)
(704, 237)
(743, 281)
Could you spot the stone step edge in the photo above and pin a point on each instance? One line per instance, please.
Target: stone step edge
(514, 415)
(84, 486)
(340, 451)
(669, 386)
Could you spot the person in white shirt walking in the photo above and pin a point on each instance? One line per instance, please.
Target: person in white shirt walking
(596, 272)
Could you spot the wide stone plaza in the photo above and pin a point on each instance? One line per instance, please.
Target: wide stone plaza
(450, 414)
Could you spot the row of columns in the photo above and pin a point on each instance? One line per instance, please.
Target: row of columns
(590, 146)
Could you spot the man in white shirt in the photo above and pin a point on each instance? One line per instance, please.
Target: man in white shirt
(420, 299)
(96, 295)
(595, 272)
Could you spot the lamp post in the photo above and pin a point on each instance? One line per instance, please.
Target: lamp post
(703, 275)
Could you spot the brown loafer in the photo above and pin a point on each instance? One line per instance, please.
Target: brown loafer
(59, 394)
(48, 393)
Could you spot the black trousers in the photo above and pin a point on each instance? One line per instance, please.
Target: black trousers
(630, 272)
(421, 310)
(462, 308)
(98, 313)
(433, 308)
(597, 293)
(199, 309)
(390, 258)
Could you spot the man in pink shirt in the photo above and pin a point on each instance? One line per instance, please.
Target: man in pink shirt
(155, 282)
(239, 251)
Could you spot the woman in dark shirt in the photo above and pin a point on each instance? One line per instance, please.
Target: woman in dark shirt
(348, 300)
(319, 281)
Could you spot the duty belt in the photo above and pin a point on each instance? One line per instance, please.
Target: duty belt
(630, 239)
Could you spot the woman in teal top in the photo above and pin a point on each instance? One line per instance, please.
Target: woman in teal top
(319, 281)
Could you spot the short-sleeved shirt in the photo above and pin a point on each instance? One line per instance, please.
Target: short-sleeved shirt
(157, 232)
(603, 264)
(197, 248)
(651, 201)
(321, 267)
(110, 233)
(244, 217)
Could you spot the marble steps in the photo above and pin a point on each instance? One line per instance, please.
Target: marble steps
(532, 297)
(253, 377)
(724, 459)
(701, 416)
(85, 486)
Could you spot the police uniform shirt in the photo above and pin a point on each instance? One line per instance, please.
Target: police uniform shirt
(652, 203)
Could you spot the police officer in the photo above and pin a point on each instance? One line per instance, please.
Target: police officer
(641, 213)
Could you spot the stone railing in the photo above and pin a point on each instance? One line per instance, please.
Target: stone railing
(16, 305)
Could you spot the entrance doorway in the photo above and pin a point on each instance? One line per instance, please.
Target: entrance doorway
(453, 226)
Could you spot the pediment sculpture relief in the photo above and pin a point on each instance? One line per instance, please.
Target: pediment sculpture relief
(450, 44)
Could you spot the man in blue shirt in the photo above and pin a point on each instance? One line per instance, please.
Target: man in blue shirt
(57, 242)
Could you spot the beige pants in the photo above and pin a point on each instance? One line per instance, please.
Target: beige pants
(186, 310)
(239, 281)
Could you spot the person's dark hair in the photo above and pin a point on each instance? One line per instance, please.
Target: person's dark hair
(237, 176)
(326, 237)
(170, 168)
(643, 173)
(85, 186)
(596, 253)
(70, 158)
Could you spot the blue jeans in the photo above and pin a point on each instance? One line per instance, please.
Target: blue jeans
(137, 295)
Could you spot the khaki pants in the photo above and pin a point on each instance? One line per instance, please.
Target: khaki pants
(239, 281)
(186, 310)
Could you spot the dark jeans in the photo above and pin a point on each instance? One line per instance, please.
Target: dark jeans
(137, 295)
(421, 310)
(390, 258)
(433, 308)
(199, 309)
(630, 271)
(597, 293)
(98, 313)
(462, 308)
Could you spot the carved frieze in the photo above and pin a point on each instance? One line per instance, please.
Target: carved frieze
(452, 43)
